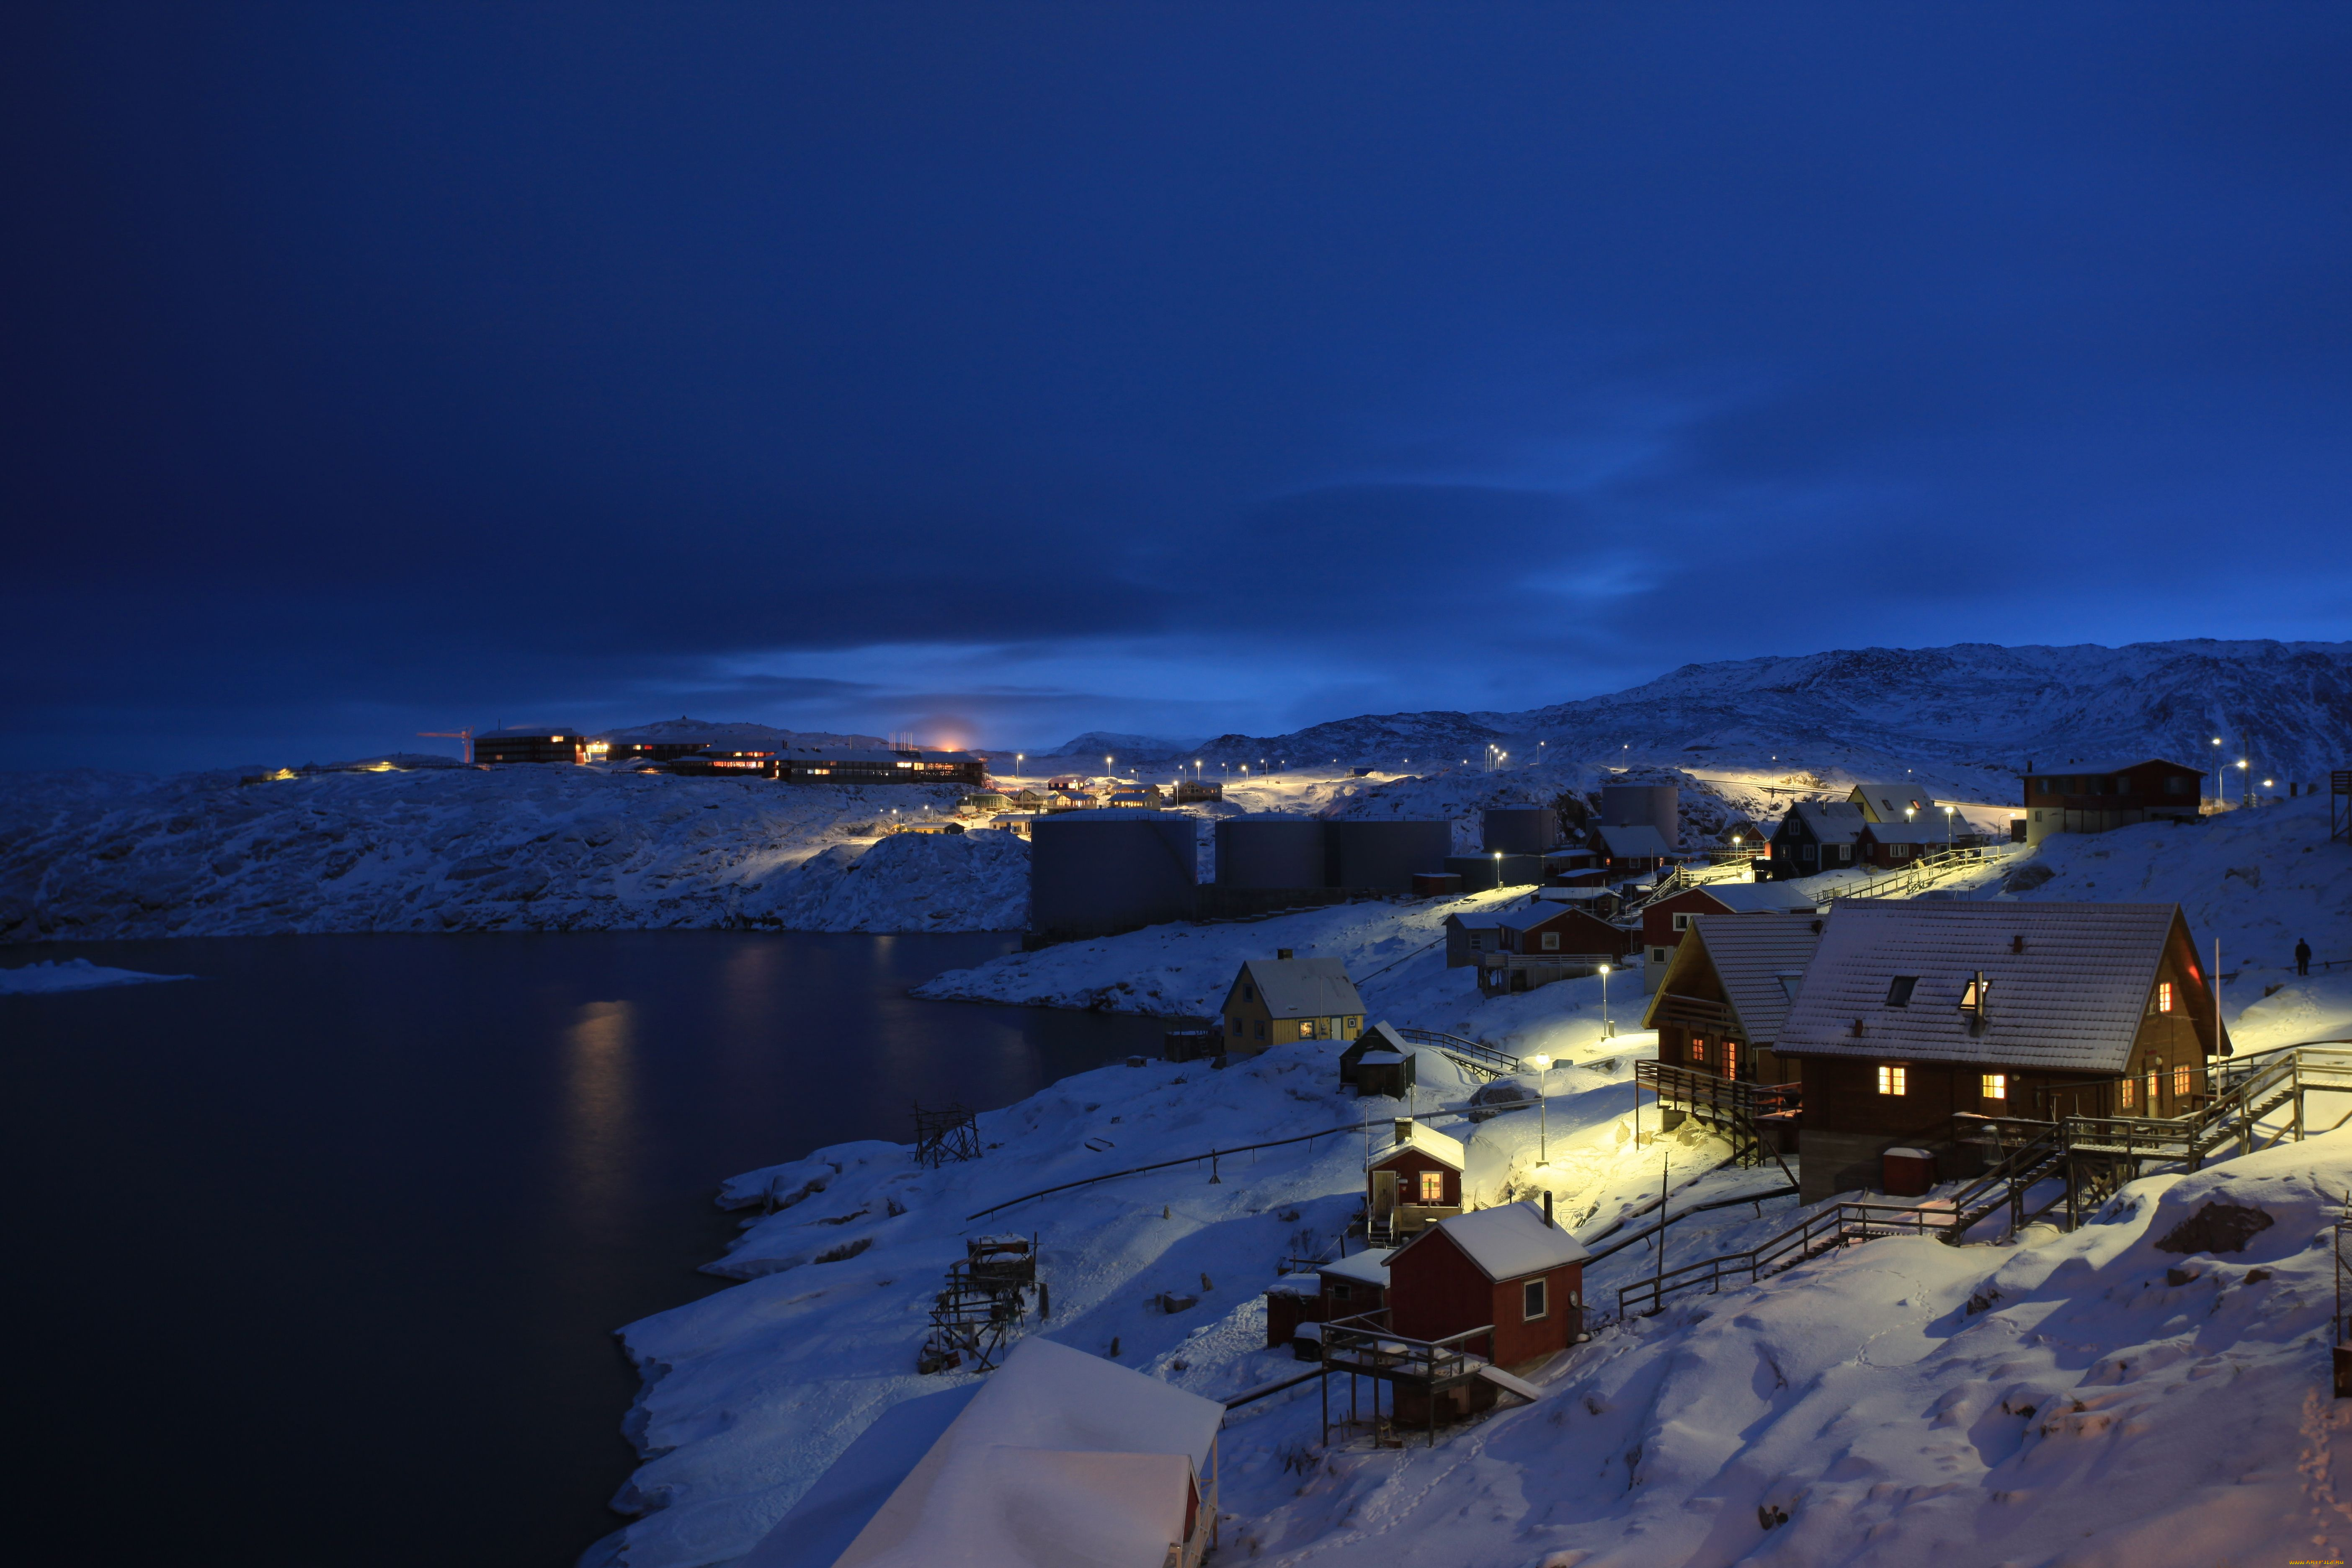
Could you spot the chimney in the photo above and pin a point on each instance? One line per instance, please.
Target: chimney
(1403, 1129)
(1547, 1219)
(1282, 952)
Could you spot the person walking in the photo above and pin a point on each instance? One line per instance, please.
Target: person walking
(2301, 956)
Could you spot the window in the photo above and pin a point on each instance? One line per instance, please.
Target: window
(1807, 853)
(1973, 995)
(1698, 1050)
(1342, 1291)
(1551, 942)
(2129, 1098)
(1890, 1080)
(2179, 1083)
(1682, 922)
(1249, 993)
(1306, 1028)
(2176, 785)
(1478, 941)
(1432, 1186)
(1533, 1306)
(1898, 851)
(1898, 990)
(2164, 995)
(2154, 1082)
(1996, 1086)
(1234, 1027)
(1261, 1028)
(1658, 955)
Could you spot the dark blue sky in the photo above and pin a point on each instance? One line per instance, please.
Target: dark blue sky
(998, 371)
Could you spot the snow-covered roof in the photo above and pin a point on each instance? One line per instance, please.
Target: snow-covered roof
(1760, 898)
(1062, 1459)
(1303, 987)
(1527, 916)
(1428, 1141)
(1507, 1243)
(1888, 802)
(1370, 1266)
(1381, 1056)
(1640, 841)
(1297, 1285)
(1750, 956)
(1831, 821)
(1576, 895)
(2070, 1001)
(1920, 832)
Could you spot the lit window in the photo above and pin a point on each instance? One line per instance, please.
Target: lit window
(1533, 1307)
(2164, 995)
(2180, 1082)
(1996, 1086)
(1898, 990)
(1306, 1028)
(1973, 995)
(1890, 1080)
(2153, 1081)
(1698, 1050)
(2129, 1098)
(1432, 1186)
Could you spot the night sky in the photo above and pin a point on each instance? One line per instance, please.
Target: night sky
(998, 371)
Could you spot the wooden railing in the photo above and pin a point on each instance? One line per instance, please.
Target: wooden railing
(1840, 1224)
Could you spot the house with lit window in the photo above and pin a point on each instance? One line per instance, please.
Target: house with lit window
(1667, 922)
(1905, 802)
(1629, 851)
(1289, 998)
(1508, 1267)
(1816, 836)
(1724, 992)
(1414, 1182)
(1911, 1013)
(1891, 846)
(2092, 797)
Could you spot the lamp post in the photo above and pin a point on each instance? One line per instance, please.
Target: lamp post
(1607, 1032)
(1498, 870)
(2217, 773)
(1543, 1121)
(1947, 830)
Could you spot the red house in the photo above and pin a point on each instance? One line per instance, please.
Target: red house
(1503, 1268)
(1667, 922)
(1893, 845)
(1415, 1180)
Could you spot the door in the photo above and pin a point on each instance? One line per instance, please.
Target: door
(1384, 1194)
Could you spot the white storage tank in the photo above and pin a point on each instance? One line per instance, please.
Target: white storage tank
(1097, 873)
(1270, 851)
(1385, 855)
(1520, 829)
(1635, 805)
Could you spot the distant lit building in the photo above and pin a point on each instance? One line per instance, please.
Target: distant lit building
(531, 746)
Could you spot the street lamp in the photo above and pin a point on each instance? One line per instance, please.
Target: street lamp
(1947, 830)
(1607, 1031)
(1498, 870)
(1543, 1122)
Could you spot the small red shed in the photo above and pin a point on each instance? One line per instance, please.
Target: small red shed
(1503, 1267)
(1415, 1180)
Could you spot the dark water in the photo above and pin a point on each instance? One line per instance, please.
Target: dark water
(316, 1259)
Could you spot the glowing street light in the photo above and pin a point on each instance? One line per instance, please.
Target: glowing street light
(1608, 1030)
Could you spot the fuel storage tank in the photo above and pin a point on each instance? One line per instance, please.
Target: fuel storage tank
(1385, 855)
(1270, 851)
(1520, 829)
(1096, 873)
(1635, 805)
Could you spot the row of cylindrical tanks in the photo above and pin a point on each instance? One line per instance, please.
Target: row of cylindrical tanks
(1092, 873)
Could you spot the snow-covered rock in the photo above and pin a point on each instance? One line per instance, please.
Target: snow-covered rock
(512, 848)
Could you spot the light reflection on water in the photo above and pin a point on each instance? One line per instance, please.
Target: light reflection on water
(391, 1196)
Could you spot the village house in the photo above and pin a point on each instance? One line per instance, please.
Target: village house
(1379, 1037)
(1890, 845)
(1630, 851)
(1912, 1013)
(1601, 903)
(1575, 868)
(1724, 995)
(1815, 837)
(1055, 1445)
(1665, 923)
(1506, 1267)
(1290, 998)
(1535, 930)
(1413, 1182)
(1348, 1287)
(1904, 801)
(1147, 796)
(2092, 797)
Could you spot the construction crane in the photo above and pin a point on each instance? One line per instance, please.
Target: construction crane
(466, 736)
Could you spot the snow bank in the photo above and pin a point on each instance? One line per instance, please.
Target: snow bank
(74, 974)
(513, 848)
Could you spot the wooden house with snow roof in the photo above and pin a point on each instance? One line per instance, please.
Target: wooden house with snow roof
(1903, 802)
(1506, 1267)
(1911, 1013)
(1285, 997)
(1413, 1182)
(1816, 836)
(1725, 992)
(1666, 922)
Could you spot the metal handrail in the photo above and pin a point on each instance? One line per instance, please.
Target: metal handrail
(1823, 1231)
(1454, 1045)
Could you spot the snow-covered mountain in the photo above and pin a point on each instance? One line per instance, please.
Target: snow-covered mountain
(1143, 749)
(1875, 711)
(736, 736)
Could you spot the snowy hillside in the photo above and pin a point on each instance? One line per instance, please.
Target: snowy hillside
(517, 848)
(1870, 712)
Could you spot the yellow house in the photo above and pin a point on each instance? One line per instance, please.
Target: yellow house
(1290, 998)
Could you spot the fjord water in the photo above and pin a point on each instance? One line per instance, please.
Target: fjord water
(315, 1259)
